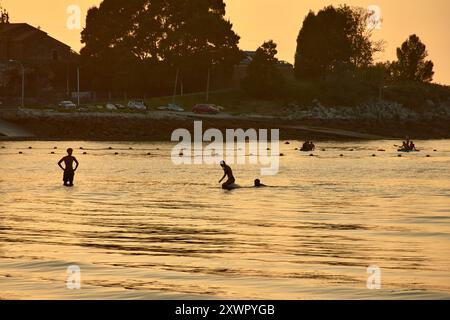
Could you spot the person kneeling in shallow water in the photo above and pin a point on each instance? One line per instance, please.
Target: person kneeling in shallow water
(258, 184)
(227, 173)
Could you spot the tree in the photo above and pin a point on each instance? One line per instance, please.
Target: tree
(264, 79)
(334, 39)
(124, 37)
(411, 64)
(4, 15)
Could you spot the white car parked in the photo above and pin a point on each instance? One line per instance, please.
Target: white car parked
(137, 105)
(68, 105)
(120, 106)
(111, 107)
(172, 107)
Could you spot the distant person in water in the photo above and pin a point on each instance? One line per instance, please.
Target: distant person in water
(412, 146)
(69, 170)
(258, 184)
(308, 146)
(305, 146)
(227, 173)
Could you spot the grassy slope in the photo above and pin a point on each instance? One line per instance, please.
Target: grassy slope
(340, 91)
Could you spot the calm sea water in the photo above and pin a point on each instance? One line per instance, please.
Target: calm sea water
(140, 227)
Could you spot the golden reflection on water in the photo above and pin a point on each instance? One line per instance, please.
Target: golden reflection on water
(140, 227)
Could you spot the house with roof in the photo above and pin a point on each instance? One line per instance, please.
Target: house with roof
(25, 43)
(50, 65)
(240, 70)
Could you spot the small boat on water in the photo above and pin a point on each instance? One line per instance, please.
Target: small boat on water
(407, 150)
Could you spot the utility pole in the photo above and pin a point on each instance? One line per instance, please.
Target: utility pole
(67, 80)
(176, 86)
(78, 85)
(23, 80)
(208, 84)
(23, 86)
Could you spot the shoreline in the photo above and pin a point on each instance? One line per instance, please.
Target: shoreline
(158, 126)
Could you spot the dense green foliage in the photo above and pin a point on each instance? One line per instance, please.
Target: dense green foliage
(139, 45)
(334, 63)
(264, 79)
(411, 64)
(4, 15)
(334, 39)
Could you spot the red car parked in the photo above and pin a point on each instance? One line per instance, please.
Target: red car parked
(205, 108)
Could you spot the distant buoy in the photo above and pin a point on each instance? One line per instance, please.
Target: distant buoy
(268, 149)
(399, 155)
(30, 147)
(281, 154)
(81, 148)
(428, 156)
(341, 155)
(287, 142)
(296, 149)
(311, 155)
(434, 150)
(3, 147)
(157, 148)
(324, 150)
(374, 155)
(116, 153)
(84, 152)
(20, 152)
(149, 154)
(55, 148)
(52, 152)
(110, 148)
(130, 148)
(352, 150)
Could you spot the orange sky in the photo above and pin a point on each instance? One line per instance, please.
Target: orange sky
(259, 20)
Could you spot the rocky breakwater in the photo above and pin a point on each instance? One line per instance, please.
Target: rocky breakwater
(384, 117)
(49, 124)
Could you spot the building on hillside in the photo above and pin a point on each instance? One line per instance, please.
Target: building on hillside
(50, 65)
(25, 43)
(240, 71)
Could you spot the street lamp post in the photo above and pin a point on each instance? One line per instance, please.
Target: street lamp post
(380, 97)
(208, 83)
(78, 85)
(23, 80)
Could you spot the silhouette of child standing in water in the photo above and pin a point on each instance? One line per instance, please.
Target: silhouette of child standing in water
(69, 170)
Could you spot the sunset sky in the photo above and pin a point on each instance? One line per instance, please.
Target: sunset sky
(259, 20)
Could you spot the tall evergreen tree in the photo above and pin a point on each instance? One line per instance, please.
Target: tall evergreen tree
(264, 79)
(4, 15)
(411, 64)
(333, 39)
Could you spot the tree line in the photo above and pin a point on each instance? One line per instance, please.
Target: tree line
(337, 44)
(141, 46)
